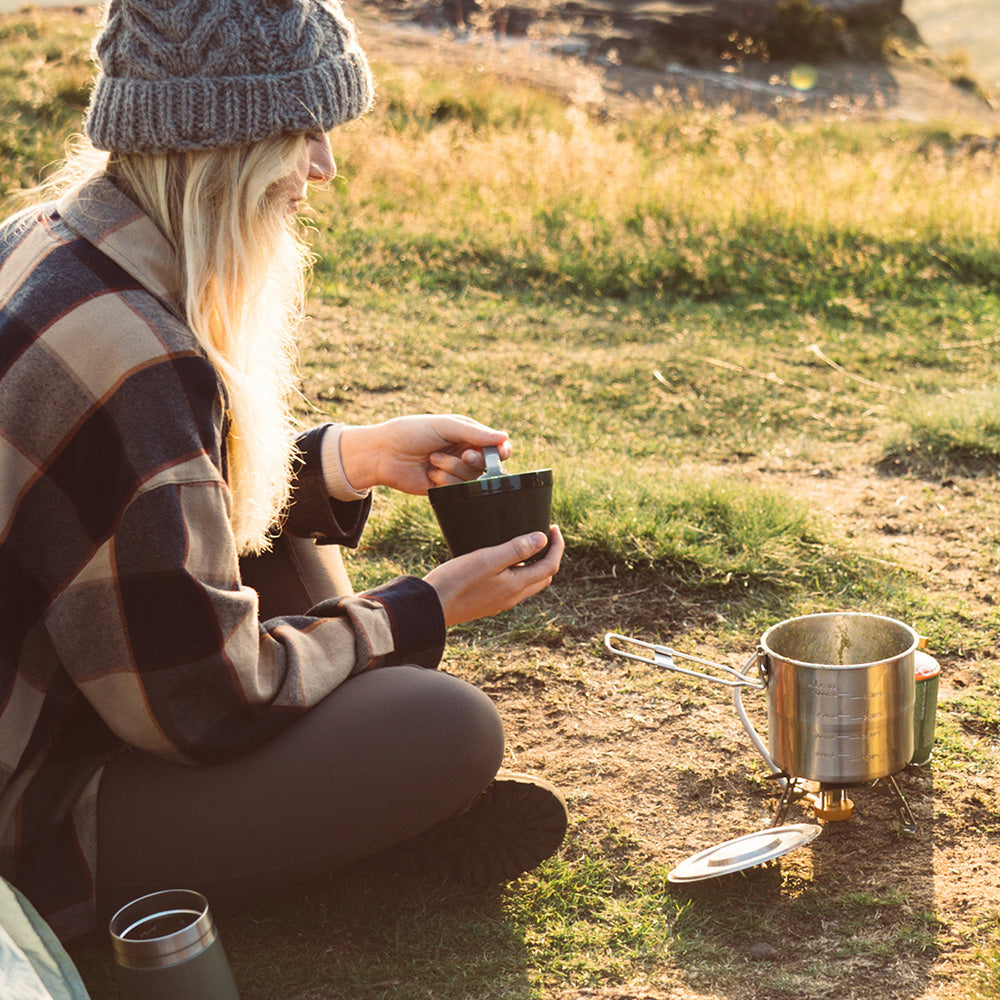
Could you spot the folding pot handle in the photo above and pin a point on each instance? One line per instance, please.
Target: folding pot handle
(663, 656)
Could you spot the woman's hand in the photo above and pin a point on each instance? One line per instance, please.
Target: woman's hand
(488, 581)
(414, 453)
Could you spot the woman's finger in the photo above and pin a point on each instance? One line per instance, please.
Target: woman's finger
(455, 468)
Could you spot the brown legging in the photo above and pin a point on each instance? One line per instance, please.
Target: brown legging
(383, 757)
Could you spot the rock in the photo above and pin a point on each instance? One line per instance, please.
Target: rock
(763, 952)
(630, 30)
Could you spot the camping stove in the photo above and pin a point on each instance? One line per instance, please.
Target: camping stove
(841, 695)
(830, 802)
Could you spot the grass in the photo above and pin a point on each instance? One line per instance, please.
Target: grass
(648, 304)
(704, 211)
(952, 434)
(988, 972)
(698, 532)
(44, 85)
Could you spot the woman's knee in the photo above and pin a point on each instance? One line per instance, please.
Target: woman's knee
(465, 720)
(425, 738)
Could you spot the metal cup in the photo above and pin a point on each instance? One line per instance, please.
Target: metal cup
(167, 948)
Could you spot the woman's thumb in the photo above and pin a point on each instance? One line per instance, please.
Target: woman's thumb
(525, 546)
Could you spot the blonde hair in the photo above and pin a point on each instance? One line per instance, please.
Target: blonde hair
(244, 270)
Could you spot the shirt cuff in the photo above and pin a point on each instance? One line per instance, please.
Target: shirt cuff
(415, 617)
(417, 621)
(312, 512)
(337, 482)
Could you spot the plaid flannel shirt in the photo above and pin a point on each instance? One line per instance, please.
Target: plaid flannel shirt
(122, 617)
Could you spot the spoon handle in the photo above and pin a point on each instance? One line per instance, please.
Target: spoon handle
(493, 466)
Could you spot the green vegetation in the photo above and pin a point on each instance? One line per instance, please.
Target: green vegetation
(658, 306)
(950, 434)
(988, 972)
(45, 75)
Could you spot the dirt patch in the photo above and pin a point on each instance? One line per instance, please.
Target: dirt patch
(659, 767)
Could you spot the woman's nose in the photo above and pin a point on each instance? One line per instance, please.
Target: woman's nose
(322, 166)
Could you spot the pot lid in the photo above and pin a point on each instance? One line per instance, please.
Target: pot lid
(744, 852)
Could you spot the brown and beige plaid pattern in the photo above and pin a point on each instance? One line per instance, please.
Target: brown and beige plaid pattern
(122, 615)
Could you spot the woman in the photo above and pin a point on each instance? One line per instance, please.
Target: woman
(162, 722)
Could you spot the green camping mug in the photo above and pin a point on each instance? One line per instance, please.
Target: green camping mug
(167, 948)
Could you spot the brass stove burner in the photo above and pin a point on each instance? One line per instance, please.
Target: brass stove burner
(833, 804)
(830, 802)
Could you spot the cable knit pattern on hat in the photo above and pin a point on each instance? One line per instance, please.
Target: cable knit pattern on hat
(196, 74)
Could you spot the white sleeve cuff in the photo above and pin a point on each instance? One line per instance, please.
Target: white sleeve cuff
(337, 482)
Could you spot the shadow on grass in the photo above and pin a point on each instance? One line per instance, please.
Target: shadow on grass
(941, 464)
(361, 934)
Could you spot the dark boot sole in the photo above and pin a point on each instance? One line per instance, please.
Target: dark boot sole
(511, 828)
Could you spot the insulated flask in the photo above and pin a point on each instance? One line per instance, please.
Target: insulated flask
(167, 948)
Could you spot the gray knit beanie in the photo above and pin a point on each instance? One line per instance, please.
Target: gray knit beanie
(197, 74)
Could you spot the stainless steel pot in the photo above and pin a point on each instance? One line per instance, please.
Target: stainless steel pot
(840, 692)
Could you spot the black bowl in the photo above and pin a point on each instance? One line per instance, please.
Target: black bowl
(493, 510)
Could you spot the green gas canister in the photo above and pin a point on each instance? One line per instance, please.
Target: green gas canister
(927, 674)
